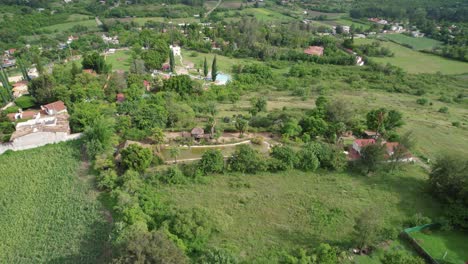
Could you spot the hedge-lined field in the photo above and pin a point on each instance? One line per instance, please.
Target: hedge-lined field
(48, 208)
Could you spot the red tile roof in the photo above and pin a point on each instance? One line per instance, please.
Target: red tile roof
(56, 106)
(29, 114)
(314, 50)
(364, 142)
(120, 97)
(12, 116)
(21, 83)
(390, 146)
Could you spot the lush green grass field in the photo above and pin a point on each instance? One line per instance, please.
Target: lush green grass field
(417, 43)
(48, 208)
(224, 63)
(417, 62)
(264, 213)
(439, 243)
(120, 60)
(90, 24)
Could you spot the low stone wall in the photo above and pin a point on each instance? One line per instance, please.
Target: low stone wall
(35, 140)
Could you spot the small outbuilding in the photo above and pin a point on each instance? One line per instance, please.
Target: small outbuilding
(197, 133)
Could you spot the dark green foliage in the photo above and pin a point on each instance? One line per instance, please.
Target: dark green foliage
(149, 116)
(372, 158)
(194, 227)
(418, 220)
(25, 102)
(136, 157)
(98, 136)
(217, 256)
(173, 175)
(326, 254)
(42, 89)
(181, 84)
(246, 160)
(258, 105)
(443, 109)
(212, 161)
(6, 128)
(172, 61)
(150, 247)
(95, 62)
(205, 68)
(214, 69)
(308, 157)
(448, 182)
(382, 120)
(400, 257)
(366, 228)
(422, 101)
(285, 155)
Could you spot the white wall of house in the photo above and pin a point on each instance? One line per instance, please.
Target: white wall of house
(38, 139)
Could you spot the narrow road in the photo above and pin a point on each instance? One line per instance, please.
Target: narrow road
(213, 9)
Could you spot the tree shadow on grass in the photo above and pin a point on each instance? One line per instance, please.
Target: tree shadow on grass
(94, 246)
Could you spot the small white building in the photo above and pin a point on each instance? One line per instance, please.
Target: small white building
(175, 50)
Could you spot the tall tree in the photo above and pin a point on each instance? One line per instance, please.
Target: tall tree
(214, 69)
(38, 62)
(174, 152)
(205, 68)
(172, 61)
(372, 157)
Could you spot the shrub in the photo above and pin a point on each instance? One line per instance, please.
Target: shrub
(400, 257)
(11, 109)
(418, 219)
(136, 157)
(443, 109)
(286, 155)
(217, 255)
(173, 175)
(107, 180)
(456, 124)
(258, 140)
(246, 160)
(25, 102)
(422, 101)
(212, 161)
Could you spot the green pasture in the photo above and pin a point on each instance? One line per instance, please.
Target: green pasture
(224, 63)
(417, 43)
(49, 212)
(417, 62)
(260, 214)
(90, 24)
(120, 60)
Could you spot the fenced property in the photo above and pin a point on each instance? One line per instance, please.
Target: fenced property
(438, 246)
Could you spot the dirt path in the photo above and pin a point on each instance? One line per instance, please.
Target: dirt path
(214, 8)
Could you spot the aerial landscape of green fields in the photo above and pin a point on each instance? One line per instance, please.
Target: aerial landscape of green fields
(228, 132)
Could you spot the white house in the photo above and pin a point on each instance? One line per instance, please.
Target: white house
(175, 50)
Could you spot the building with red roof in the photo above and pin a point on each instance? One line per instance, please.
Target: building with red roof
(120, 97)
(314, 50)
(54, 108)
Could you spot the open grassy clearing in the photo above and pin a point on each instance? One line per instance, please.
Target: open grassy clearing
(417, 43)
(260, 214)
(120, 60)
(90, 24)
(224, 63)
(266, 15)
(417, 62)
(433, 131)
(48, 208)
(347, 22)
(143, 20)
(330, 16)
(78, 17)
(452, 244)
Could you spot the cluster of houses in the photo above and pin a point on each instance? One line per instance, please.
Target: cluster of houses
(370, 138)
(8, 60)
(36, 128)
